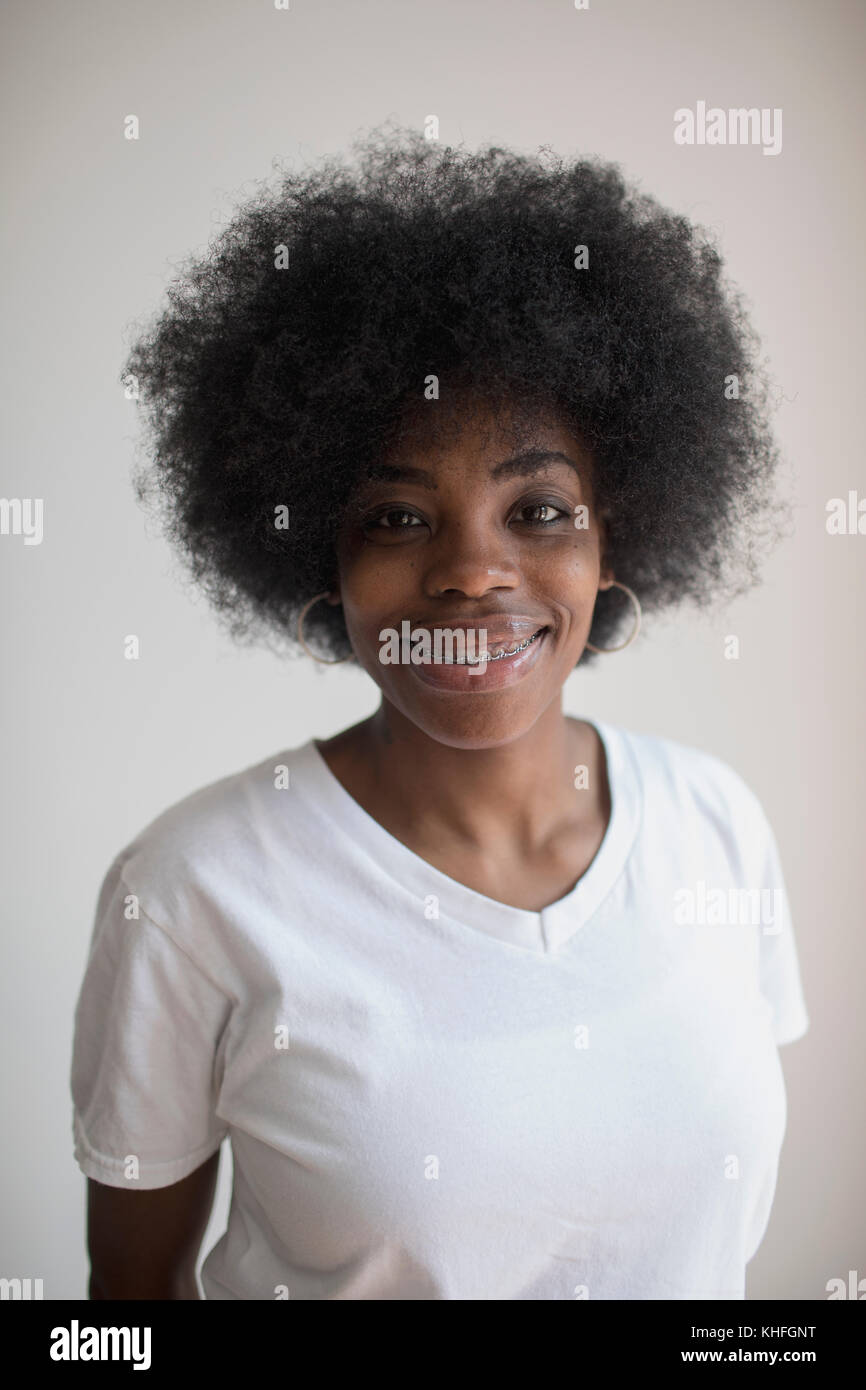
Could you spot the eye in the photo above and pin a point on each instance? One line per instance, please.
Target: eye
(392, 519)
(538, 508)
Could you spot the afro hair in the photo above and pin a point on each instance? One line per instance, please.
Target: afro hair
(291, 354)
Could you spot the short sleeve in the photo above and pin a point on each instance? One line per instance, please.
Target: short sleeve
(779, 966)
(148, 1035)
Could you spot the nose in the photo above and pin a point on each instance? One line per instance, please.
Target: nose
(471, 560)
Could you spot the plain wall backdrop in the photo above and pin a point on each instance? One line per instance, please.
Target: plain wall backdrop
(94, 746)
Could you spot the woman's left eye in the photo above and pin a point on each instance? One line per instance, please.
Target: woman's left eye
(538, 507)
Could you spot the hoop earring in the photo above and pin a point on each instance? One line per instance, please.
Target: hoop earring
(635, 601)
(323, 660)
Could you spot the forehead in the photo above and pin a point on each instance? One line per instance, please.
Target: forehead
(499, 435)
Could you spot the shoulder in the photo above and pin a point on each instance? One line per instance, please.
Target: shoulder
(193, 854)
(690, 780)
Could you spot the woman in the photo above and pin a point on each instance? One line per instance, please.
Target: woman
(486, 998)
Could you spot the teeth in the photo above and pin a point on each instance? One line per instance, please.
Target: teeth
(497, 656)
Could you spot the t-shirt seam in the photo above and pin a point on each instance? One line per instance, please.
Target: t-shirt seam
(109, 1161)
(620, 873)
(165, 932)
(625, 866)
(625, 743)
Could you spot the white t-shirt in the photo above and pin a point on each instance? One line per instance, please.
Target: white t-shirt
(430, 1094)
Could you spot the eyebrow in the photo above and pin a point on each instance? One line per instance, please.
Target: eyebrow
(520, 466)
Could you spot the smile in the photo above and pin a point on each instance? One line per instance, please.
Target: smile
(497, 669)
(494, 654)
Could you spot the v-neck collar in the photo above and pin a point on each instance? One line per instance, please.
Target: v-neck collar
(542, 931)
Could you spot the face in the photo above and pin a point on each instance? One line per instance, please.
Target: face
(473, 537)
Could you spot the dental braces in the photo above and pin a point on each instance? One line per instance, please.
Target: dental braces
(497, 656)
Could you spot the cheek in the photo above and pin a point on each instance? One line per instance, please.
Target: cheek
(375, 576)
(373, 587)
(376, 572)
(567, 572)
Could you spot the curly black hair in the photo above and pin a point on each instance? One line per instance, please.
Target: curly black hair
(293, 352)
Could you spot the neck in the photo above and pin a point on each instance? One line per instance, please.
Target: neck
(520, 791)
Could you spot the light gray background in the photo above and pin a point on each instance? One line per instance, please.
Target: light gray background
(94, 745)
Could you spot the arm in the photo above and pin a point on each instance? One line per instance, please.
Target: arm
(145, 1244)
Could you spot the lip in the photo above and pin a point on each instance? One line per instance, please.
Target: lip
(503, 630)
(496, 675)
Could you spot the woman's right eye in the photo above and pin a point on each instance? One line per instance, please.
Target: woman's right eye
(392, 520)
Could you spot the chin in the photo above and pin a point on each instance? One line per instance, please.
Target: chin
(472, 724)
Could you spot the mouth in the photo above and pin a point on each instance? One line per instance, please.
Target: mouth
(499, 652)
(498, 667)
